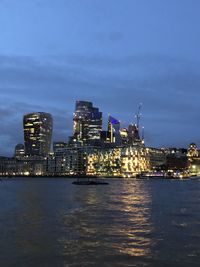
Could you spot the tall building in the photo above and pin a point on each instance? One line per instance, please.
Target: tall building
(114, 131)
(87, 123)
(124, 136)
(133, 134)
(37, 133)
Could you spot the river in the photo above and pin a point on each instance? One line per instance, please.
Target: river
(48, 222)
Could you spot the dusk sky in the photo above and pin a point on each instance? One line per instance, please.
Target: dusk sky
(115, 53)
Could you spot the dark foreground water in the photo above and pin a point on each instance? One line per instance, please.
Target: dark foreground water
(50, 222)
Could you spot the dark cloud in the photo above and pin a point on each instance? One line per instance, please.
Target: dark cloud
(167, 86)
(11, 116)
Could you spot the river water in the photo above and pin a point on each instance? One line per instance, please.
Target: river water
(48, 222)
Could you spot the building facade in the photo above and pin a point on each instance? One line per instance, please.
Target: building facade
(157, 158)
(68, 161)
(87, 123)
(133, 134)
(19, 151)
(118, 162)
(37, 133)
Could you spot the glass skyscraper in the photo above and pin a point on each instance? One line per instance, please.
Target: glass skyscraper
(114, 131)
(133, 134)
(87, 123)
(37, 133)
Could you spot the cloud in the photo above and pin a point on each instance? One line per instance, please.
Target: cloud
(11, 116)
(167, 86)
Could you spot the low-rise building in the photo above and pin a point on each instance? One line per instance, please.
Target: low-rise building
(68, 161)
(125, 161)
(26, 166)
(157, 158)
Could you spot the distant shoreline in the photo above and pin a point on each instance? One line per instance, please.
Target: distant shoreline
(93, 177)
(58, 176)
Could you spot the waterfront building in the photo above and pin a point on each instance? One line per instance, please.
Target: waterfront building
(104, 162)
(37, 133)
(87, 123)
(125, 161)
(194, 166)
(193, 159)
(3, 161)
(68, 161)
(168, 159)
(178, 152)
(26, 166)
(192, 151)
(134, 160)
(19, 151)
(157, 158)
(177, 163)
(55, 165)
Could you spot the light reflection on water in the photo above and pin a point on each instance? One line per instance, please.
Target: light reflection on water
(118, 223)
(49, 222)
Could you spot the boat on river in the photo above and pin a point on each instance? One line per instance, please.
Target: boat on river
(163, 175)
(151, 175)
(89, 181)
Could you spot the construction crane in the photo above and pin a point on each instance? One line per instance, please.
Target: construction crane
(138, 115)
(143, 135)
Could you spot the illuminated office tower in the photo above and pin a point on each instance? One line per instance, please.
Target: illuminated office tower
(133, 134)
(114, 131)
(87, 123)
(124, 136)
(38, 133)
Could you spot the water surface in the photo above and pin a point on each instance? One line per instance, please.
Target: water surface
(50, 222)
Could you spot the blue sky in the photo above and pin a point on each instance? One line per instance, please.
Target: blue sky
(115, 53)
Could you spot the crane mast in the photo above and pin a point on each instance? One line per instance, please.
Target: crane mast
(138, 115)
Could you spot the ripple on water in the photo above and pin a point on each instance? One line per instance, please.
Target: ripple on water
(128, 223)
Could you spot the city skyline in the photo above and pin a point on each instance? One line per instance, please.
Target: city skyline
(111, 53)
(81, 114)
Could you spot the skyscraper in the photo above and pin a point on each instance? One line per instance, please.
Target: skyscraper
(114, 131)
(37, 133)
(133, 134)
(124, 136)
(87, 123)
